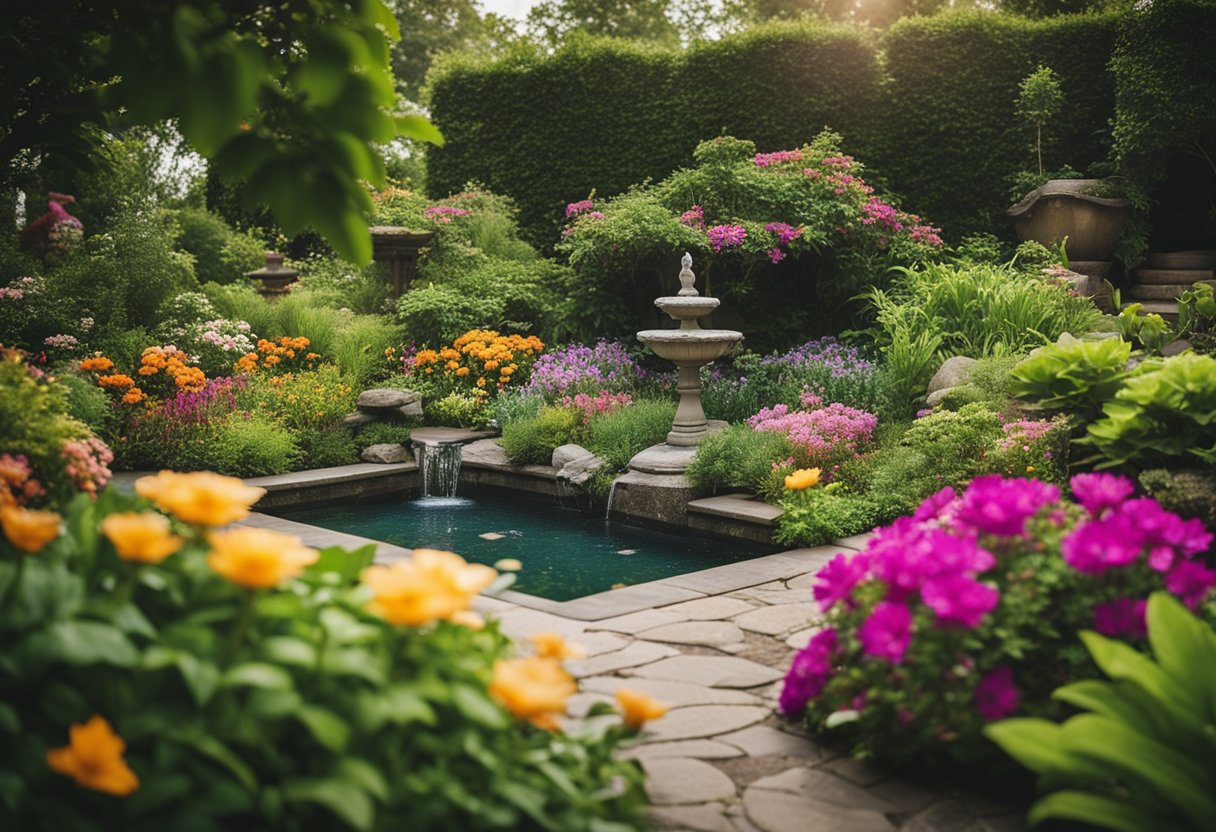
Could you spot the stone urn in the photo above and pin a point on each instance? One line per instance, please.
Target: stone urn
(1061, 208)
(274, 279)
(397, 248)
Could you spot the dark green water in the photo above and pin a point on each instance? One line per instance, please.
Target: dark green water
(565, 554)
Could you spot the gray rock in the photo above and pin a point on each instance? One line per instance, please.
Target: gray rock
(938, 396)
(413, 410)
(675, 780)
(1176, 347)
(385, 400)
(357, 420)
(386, 454)
(578, 471)
(954, 372)
(564, 454)
(484, 452)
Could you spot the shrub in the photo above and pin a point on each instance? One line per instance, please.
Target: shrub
(308, 399)
(439, 314)
(459, 410)
(821, 436)
(617, 437)
(1164, 416)
(1073, 376)
(967, 611)
(813, 516)
(360, 345)
(221, 255)
(738, 458)
(384, 433)
(1189, 493)
(325, 448)
(87, 403)
(480, 363)
(364, 291)
(532, 441)
(247, 445)
(241, 658)
(1137, 730)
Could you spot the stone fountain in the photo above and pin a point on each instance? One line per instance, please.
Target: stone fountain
(691, 348)
(655, 488)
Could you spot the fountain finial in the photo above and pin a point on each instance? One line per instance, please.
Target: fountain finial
(687, 278)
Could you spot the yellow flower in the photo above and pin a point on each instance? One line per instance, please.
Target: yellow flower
(258, 558)
(637, 708)
(429, 586)
(468, 618)
(93, 758)
(141, 536)
(553, 646)
(27, 529)
(533, 689)
(508, 565)
(802, 478)
(200, 498)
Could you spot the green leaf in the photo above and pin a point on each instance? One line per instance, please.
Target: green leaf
(1120, 661)
(291, 651)
(1104, 698)
(83, 643)
(10, 722)
(129, 619)
(365, 775)
(326, 727)
(201, 677)
(1031, 741)
(258, 675)
(215, 750)
(419, 128)
(346, 563)
(1184, 646)
(476, 706)
(351, 805)
(1098, 810)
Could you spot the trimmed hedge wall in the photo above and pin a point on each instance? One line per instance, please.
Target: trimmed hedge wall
(928, 105)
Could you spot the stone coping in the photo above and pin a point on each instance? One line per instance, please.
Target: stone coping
(738, 507)
(328, 476)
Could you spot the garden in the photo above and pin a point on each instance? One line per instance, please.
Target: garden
(971, 427)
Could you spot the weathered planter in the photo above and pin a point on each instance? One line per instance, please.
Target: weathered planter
(398, 248)
(274, 279)
(1060, 208)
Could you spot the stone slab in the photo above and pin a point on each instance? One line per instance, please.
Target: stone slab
(675, 694)
(777, 811)
(824, 787)
(652, 498)
(762, 741)
(697, 721)
(522, 623)
(703, 749)
(636, 622)
(737, 507)
(707, 818)
(780, 619)
(675, 780)
(710, 609)
(447, 436)
(609, 604)
(388, 453)
(708, 633)
(734, 576)
(711, 671)
(775, 597)
(663, 459)
(637, 653)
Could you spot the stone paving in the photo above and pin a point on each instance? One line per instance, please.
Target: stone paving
(722, 759)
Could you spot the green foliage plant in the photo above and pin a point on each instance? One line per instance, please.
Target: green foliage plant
(1039, 100)
(1164, 416)
(456, 409)
(1074, 376)
(1189, 492)
(738, 458)
(385, 433)
(220, 254)
(436, 315)
(285, 707)
(531, 441)
(817, 515)
(1139, 753)
(618, 436)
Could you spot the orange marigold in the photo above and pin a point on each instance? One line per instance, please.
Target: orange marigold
(93, 758)
(28, 529)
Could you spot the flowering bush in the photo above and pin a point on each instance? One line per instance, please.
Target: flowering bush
(166, 672)
(285, 354)
(592, 406)
(578, 368)
(310, 399)
(479, 364)
(823, 436)
(967, 611)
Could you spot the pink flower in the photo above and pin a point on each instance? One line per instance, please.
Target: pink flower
(694, 217)
(764, 160)
(936, 506)
(1099, 545)
(995, 505)
(1190, 581)
(996, 696)
(578, 207)
(1121, 617)
(809, 672)
(726, 236)
(1099, 493)
(776, 255)
(887, 632)
(957, 599)
(836, 580)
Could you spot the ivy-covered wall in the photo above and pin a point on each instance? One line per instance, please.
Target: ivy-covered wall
(928, 105)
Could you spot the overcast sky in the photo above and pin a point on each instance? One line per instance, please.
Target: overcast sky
(508, 8)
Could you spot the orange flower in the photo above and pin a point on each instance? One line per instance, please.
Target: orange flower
(141, 536)
(460, 371)
(133, 396)
(199, 498)
(429, 586)
(553, 646)
(532, 689)
(802, 478)
(637, 708)
(93, 758)
(119, 381)
(98, 363)
(258, 558)
(27, 529)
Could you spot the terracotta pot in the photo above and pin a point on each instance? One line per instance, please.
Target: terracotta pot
(1060, 208)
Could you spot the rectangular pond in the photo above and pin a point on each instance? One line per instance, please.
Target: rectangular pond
(565, 554)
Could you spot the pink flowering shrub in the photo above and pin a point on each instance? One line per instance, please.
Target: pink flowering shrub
(823, 436)
(968, 610)
(86, 462)
(602, 402)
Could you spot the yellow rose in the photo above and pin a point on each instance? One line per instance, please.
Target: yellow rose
(637, 708)
(200, 498)
(258, 558)
(553, 646)
(93, 758)
(431, 585)
(532, 689)
(141, 536)
(27, 529)
(802, 478)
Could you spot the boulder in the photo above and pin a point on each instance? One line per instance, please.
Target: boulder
(386, 454)
(357, 420)
(1176, 347)
(954, 372)
(938, 396)
(385, 401)
(578, 471)
(413, 410)
(568, 453)
(485, 452)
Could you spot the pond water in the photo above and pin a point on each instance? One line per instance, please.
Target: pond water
(565, 554)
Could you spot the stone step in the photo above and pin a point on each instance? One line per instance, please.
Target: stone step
(1196, 259)
(734, 515)
(1161, 291)
(1167, 309)
(1171, 276)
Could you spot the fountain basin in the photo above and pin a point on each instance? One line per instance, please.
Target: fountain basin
(687, 308)
(690, 345)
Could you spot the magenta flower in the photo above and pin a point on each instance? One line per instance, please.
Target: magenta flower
(1099, 545)
(887, 632)
(776, 255)
(809, 672)
(936, 506)
(836, 580)
(694, 217)
(1099, 493)
(1158, 527)
(995, 505)
(957, 599)
(1190, 581)
(579, 207)
(764, 160)
(726, 236)
(1121, 617)
(996, 696)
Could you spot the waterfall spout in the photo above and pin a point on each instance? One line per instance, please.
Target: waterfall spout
(439, 464)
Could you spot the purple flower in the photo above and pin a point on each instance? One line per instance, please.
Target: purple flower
(1160, 528)
(578, 207)
(1101, 492)
(776, 255)
(1190, 581)
(1099, 545)
(836, 580)
(725, 236)
(886, 633)
(996, 696)
(995, 505)
(809, 672)
(936, 505)
(957, 599)
(784, 232)
(1121, 617)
